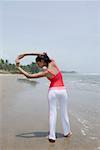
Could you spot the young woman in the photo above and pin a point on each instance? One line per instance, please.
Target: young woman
(57, 90)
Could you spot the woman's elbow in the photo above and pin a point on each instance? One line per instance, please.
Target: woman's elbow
(27, 76)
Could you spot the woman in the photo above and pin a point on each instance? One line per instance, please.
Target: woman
(57, 90)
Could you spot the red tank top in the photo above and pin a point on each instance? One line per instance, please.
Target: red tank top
(57, 80)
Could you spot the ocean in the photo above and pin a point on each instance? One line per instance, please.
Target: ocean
(83, 81)
(86, 107)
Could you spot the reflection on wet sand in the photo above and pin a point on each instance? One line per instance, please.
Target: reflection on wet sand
(27, 81)
(37, 134)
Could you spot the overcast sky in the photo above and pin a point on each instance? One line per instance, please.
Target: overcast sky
(68, 31)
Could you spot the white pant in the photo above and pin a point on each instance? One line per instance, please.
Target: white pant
(53, 95)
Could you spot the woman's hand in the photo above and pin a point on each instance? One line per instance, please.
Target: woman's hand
(17, 63)
(18, 58)
(21, 56)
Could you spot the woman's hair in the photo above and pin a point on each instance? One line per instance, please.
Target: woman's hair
(43, 57)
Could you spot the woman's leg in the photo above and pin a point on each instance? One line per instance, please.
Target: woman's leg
(64, 112)
(52, 114)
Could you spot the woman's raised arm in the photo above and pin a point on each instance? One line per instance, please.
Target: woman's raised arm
(28, 54)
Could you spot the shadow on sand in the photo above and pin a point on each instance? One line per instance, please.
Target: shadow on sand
(37, 134)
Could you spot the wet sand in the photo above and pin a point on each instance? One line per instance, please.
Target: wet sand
(24, 118)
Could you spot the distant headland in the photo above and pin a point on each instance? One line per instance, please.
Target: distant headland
(72, 72)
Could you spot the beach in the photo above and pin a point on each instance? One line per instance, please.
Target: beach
(24, 114)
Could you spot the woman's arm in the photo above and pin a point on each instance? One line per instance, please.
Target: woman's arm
(29, 54)
(35, 75)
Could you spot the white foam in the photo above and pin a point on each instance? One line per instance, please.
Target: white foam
(93, 138)
(83, 132)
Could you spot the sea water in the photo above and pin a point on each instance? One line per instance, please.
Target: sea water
(88, 82)
(84, 96)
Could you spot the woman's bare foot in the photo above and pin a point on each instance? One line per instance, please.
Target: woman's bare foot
(68, 135)
(51, 140)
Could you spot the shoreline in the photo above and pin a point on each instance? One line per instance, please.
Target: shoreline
(4, 72)
(7, 72)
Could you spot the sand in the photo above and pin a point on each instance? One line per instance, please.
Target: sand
(24, 118)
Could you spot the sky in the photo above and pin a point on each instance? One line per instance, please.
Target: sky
(69, 31)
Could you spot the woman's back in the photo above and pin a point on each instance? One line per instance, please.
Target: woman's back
(54, 75)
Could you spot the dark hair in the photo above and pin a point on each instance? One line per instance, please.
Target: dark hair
(43, 57)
